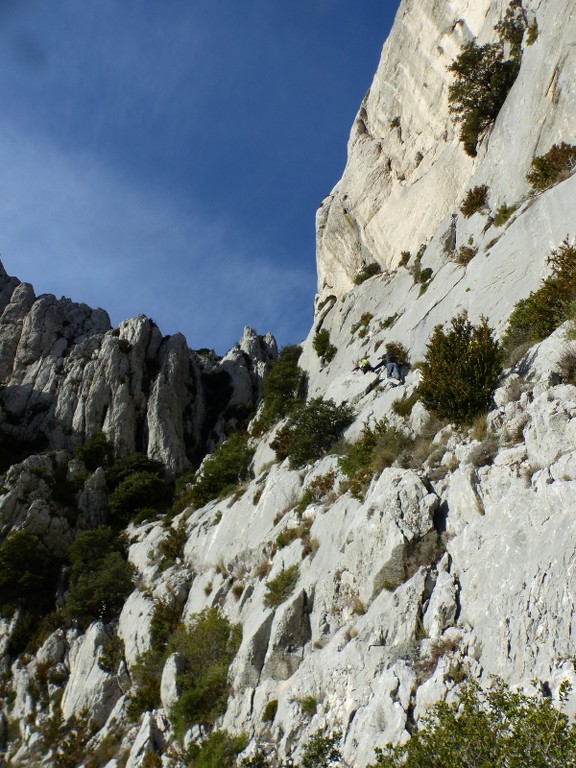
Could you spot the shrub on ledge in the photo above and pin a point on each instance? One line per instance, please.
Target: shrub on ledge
(553, 167)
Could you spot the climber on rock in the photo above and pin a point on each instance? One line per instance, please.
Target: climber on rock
(392, 367)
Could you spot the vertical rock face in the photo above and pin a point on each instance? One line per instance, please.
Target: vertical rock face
(406, 168)
(67, 374)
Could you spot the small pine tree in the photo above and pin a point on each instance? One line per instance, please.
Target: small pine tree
(482, 80)
(461, 369)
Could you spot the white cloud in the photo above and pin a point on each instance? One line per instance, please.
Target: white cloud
(73, 227)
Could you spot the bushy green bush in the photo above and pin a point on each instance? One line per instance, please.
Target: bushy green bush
(96, 452)
(146, 676)
(496, 727)
(311, 431)
(321, 751)
(465, 255)
(122, 468)
(553, 167)
(139, 491)
(404, 407)
(379, 447)
(100, 578)
(284, 389)
(537, 316)
(172, 547)
(222, 471)
(512, 27)
(461, 370)
(219, 750)
(281, 586)
(367, 272)
(207, 645)
(270, 711)
(476, 200)
(323, 347)
(482, 81)
(362, 324)
(27, 575)
(503, 214)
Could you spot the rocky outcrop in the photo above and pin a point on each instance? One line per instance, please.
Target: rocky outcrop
(67, 375)
(406, 170)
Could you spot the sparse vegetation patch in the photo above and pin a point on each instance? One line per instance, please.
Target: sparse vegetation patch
(476, 200)
(323, 346)
(311, 431)
(553, 167)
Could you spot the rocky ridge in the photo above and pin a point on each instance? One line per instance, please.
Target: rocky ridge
(458, 568)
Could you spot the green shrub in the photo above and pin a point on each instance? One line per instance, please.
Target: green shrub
(461, 370)
(146, 675)
(475, 201)
(497, 727)
(28, 575)
(503, 214)
(100, 578)
(137, 492)
(171, 548)
(218, 750)
(100, 594)
(130, 465)
(96, 452)
(208, 645)
(321, 751)
(281, 586)
(379, 447)
(553, 167)
(308, 705)
(311, 431)
(465, 255)
(399, 351)
(537, 316)
(322, 346)
(389, 321)
(111, 654)
(420, 275)
(404, 407)
(284, 389)
(165, 618)
(566, 366)
(512, 27)
(482, 81)
(270, 710)
(222, 472)
(363, 323)
(367, 272)
(532, 33)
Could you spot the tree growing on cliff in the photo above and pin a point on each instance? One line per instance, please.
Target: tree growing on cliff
(482, 81)
(461, 370)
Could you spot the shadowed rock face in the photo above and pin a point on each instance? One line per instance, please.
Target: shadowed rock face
(67, 374)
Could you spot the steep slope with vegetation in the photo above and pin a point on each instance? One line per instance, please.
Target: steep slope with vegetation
(268, 560)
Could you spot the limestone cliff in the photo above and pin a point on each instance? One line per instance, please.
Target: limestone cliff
(455, 565)
(406, 171)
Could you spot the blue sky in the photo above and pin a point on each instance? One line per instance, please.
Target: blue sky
(167, 157)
